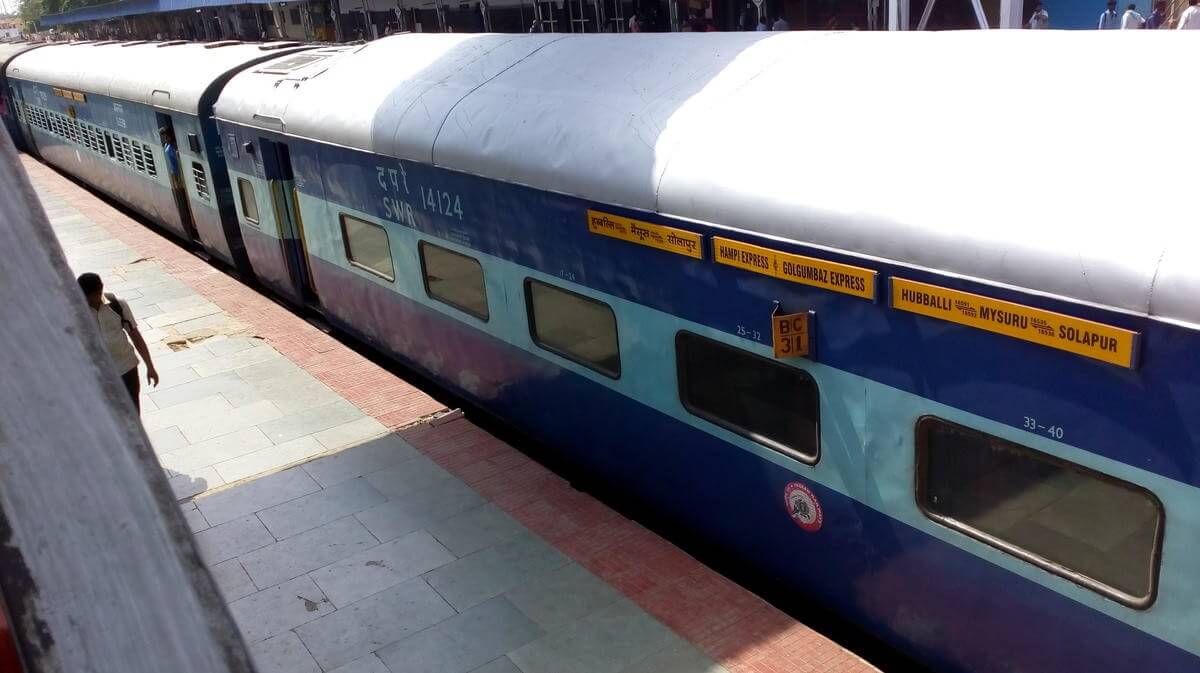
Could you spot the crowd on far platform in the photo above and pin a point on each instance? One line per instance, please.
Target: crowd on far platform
(1130, 19)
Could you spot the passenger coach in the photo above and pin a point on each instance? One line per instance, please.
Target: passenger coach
(10, 110)
(857, 308)
(95, 111)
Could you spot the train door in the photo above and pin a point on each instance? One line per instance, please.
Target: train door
(166, 129)
(285, 207)
(20, 116)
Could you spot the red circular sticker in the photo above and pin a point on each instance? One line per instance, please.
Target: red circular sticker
(803, 505)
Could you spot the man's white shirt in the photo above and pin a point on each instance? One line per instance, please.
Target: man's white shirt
(1190, 20)
(1132, 20)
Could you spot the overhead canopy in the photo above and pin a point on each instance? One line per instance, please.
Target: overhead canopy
(115, 10)
(937, 150)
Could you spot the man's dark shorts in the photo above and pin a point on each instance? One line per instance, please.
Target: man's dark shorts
(134, 386)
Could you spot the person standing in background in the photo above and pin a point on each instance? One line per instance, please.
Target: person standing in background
(1158, 17)
(1190, 19)
(1131, 19)
(1109, 19)
(1040, 19)
(745, 20)
(762, 24)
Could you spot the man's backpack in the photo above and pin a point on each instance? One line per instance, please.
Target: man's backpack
(118, 308)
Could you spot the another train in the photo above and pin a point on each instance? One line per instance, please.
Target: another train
(986, 453)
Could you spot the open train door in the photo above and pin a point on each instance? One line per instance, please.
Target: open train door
(19, 115)
(285, 208)
(174, 166)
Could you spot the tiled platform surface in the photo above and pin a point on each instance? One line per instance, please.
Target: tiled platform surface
(355, 534)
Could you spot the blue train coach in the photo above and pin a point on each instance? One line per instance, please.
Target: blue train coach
(10, 112)
(869, 312)
(96, 110)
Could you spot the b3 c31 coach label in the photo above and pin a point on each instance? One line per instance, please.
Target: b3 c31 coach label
(844, 278)
(678, 241)
(1083, 337)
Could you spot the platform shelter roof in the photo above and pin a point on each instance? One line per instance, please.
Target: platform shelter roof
(120, 8)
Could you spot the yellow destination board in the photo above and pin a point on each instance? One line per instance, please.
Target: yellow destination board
(844, 278)
(790, 334)
(678, 241)
(1083, 337)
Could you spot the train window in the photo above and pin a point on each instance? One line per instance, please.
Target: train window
(108, 144)
(139, 161)
(454, 279)
(127, 151)
(249, 204)
(367, 246)
(148, 156)
(1095, 530)
(200, 179)
(576, 327)
(760, 399)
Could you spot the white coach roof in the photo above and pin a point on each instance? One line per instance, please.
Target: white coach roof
(8, 50)
(168, 75)
(1052, 161)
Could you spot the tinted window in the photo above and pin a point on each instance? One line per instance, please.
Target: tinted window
(367, 246)
(454, 279)
(1063, 517)
(249, 204)
(763, 400)
(576, 327)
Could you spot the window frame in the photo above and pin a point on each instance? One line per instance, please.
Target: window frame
(531, 323)
(359, 265)
(254, 221)
(200, 181)
(757, 438)
(921, 458)
(421, 245)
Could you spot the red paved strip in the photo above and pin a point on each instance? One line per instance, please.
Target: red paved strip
(731, 625)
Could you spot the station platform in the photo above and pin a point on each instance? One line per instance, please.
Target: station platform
(355, 524)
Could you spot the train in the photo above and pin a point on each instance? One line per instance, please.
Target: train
(904, 323)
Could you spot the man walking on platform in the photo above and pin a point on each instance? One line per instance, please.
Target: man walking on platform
(117, 329)
(1110, 20)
